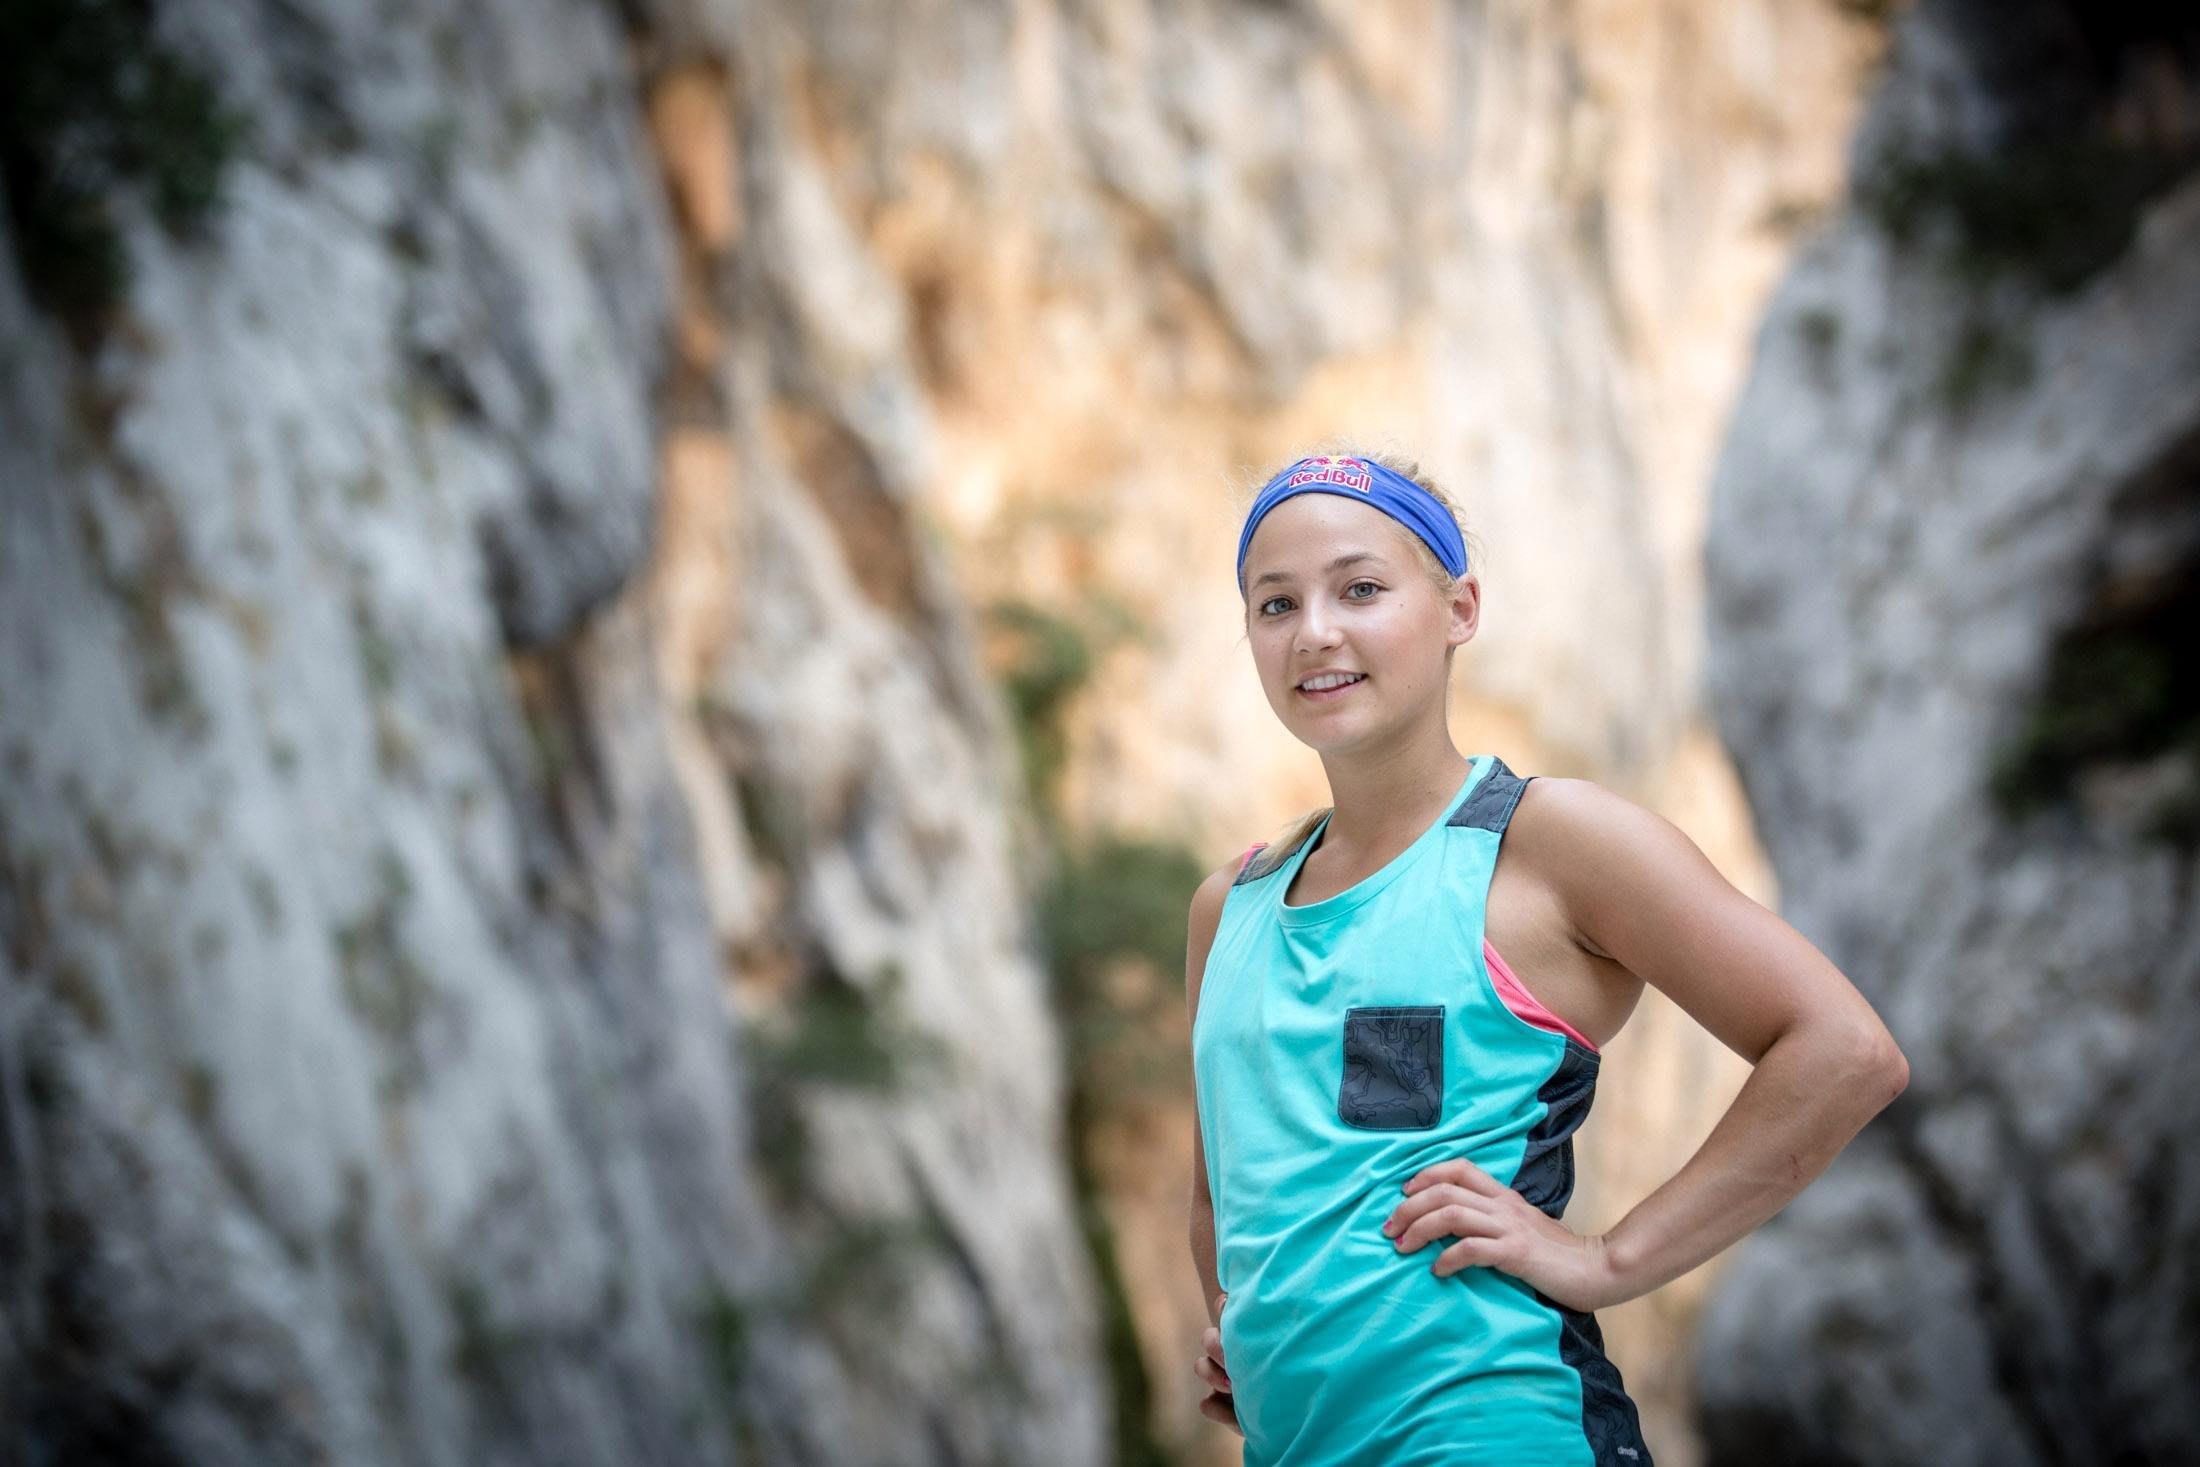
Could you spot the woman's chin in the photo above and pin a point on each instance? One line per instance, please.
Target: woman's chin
(1326, 734)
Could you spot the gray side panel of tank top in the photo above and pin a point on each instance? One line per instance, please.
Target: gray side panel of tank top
(1546, 1180)
(1545, 1176)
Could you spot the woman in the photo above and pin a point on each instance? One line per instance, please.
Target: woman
(1386, 1105)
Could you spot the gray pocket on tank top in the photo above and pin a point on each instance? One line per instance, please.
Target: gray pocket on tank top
(1393, 1068)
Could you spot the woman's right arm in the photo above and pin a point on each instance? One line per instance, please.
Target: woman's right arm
(1206, 915)
(1219, 1405)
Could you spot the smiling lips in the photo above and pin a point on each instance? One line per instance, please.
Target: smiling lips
(1324, 695)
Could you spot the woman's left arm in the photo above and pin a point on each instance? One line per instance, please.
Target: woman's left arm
(1639, 892)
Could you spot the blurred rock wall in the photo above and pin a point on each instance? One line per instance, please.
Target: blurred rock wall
(511, 869)
(1954, 537)
(1083, 271)
(388, 818)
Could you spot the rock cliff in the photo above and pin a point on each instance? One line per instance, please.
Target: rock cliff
(514, 874)
(1953, 542)
(371, 1086)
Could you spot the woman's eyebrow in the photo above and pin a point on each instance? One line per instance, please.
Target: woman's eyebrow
(1335, 565)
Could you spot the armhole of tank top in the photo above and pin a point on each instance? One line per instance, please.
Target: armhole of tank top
(1515, 996)
(1511, 993)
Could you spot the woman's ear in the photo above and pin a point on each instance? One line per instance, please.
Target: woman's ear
(1466, 609)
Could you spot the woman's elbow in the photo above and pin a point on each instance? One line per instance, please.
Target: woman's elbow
(1875, 1064)
(1898, 1069)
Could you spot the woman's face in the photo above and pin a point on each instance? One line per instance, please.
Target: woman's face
(1331, 585)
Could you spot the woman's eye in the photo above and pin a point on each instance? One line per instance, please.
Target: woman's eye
(1374, 589)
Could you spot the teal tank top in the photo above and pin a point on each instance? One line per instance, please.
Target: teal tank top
(1339, 1047)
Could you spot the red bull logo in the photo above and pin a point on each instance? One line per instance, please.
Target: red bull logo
(1350, 473)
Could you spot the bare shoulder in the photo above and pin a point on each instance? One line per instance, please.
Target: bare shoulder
(1592, 847)
(1636, 889)
(1206, 916)
(1562, 817)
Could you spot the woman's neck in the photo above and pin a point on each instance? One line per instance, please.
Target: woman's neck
(1376, 807)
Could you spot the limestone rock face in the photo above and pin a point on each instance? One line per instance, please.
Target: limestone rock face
(1080, 271)
(1952, 550)
(375, 923)
(514, 905)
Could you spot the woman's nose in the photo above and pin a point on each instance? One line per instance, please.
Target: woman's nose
(1316, 630)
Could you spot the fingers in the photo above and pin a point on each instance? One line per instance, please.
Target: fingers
(1442, 1211)
(1211, 1367)
(1212, 1375)
(1421, 1203)
(1219, 1405)
(1477, 1252)
(1458, 1171)
(1223, 1410)
(1459, 1220)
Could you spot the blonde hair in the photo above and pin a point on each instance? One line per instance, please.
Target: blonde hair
(1301, 828)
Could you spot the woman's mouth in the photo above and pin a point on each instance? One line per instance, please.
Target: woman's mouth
(1331, 694)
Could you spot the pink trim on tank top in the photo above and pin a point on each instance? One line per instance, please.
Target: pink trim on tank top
(1521, 1002)
(1509, 988)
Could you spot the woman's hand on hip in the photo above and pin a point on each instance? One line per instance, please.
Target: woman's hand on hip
(1498, 1228)
(1219, 1405)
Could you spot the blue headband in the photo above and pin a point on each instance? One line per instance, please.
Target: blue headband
(1363, 479)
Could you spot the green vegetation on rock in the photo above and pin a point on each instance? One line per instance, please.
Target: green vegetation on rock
(2053, 213)
(1111, 915)
(831, 1036)
(1984, 358)
(2120, 690)
(92, 104)
(1053, 656)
